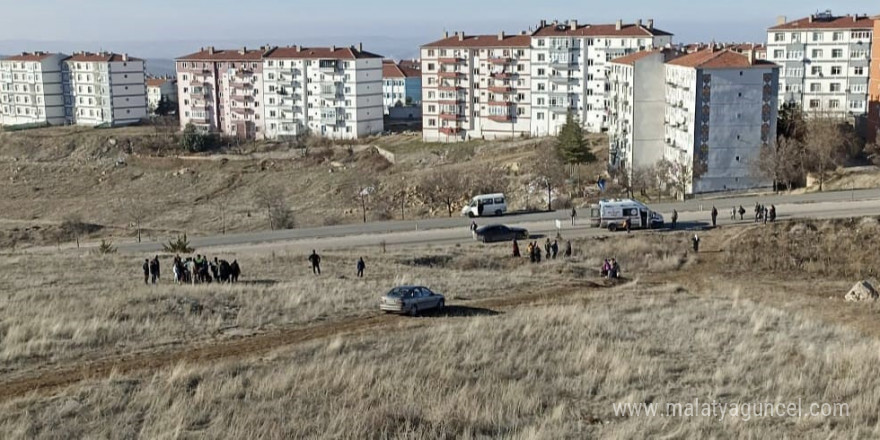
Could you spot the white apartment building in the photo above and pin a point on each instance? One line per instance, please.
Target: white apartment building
(569, 65)
(825, 62)
(330, 91)
(401, 85)
(637, 104)
(476, 86)
(106, 89)
(159, 88)
(721, 109)
(32, 89)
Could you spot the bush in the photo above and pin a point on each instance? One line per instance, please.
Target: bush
(179, 246)
(106, 247)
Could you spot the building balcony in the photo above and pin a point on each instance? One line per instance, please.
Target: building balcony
(500, 89)
(500, 60)
(501, 118)
(451, 101)
(500, 103)
(447, 116)
(199, 119)
(243, 86)
(562, 65)
(560, 109)
(243, 110)
(449, 131)
(331, 94)
(449, 74)
(243, 98)
(503, 75)
(328, 66)
(244, 73)
(450, 88)
(451, 60)
(564, 80)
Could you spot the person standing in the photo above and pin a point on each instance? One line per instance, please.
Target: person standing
(515, 249)
(714, 216)
(360, 267)
(772, 213)
(674, 218)
(546, 249)
(627, 224)
(147, 271)
(154, 270)
(573, 215)
(741, 211)
(733, 213)
(554, 248)
(315, 259)
(696, 242)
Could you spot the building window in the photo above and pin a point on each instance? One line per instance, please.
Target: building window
(858, 71)
(816, 70)
(778, 54)
(837, 36)
(817, 53)
(835, 87)
(837, 53)
(779, 36)
(856, 105)
(817, 36)
(814, 103)
(836, 70)
(815, 87)
(834, 103)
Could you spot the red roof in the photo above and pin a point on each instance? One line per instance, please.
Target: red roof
(633, 57)
(210, 54)
(845, 22)
(159, 82)
(390, 69)
(718, 59)
(483, 41)
(33, 56)
(333, 53)
(108, 57)
(598, 30)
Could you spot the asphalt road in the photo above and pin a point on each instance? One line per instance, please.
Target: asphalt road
(439, 230)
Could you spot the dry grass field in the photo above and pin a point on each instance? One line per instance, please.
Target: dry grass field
(524, 351)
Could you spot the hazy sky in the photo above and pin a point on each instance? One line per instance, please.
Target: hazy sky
(169, 28)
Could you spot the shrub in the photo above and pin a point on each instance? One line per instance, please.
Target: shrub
(179, 246)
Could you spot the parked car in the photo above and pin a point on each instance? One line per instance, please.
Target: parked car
(491, 233)
(411, 300)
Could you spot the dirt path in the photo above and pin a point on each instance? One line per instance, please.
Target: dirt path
(153, 359)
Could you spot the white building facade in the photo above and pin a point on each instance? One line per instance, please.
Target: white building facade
(721, 109)
(476, 86)
(637, 104)
(570, 66)
(825, 62)
(32, 89)
(161, 88)
(329, 91)
(107, 89)
(401, 86)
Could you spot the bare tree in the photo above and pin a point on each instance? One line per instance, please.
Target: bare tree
(872, 150)
(780, 162)
(680, 177)
(549, 173)
(135, 213)
(364, 191)
(444, 186)
(272, 199)
(827, 144)
(73, 226)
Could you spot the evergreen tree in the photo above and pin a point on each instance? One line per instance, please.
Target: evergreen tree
(571, 144)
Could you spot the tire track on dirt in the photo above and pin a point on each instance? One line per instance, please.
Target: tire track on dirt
(45, 382)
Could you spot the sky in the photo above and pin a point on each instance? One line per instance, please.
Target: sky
(171, 28)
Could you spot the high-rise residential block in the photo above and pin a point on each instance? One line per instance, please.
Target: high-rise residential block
(159, 88)
(32, 89)
(107, 89)
(401, 85)
(873, 125)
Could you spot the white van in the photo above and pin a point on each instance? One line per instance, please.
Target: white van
(613, 213)
(486, 204)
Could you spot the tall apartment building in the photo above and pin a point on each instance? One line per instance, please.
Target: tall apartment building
(569, 69)
(159, 88)
(476, 86)
(721, 109)
(400, 85)
(637, 103)
(106, 89)
(874, 85)
(331, 91)
(825, 61)
(32, 89)
(220, 91)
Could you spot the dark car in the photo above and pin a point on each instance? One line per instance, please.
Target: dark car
(492, 233)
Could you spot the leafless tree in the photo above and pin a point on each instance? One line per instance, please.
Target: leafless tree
(872, 150)
(272, 199)
(828, 143)
(781, 161)
(444, 186)
(73, 226)
(135, 213)
(680, 177)
(549, 173)
(364, 190)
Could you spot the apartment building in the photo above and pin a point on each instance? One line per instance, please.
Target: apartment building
(331, 91)
(107, 89)
(220, 91)
(569, 65)
(825, 61)
(159, 88)
(400, 85)
(637, 103)
(32, 89)
(874, 86)
(721, 109)
(476, 86)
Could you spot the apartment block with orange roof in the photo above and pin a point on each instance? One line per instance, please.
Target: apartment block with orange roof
(401, 84)
(32, 90)
(220, 91)
(107, 89)
(159, 88)
(825, 61)
(329, 91)
(476, 86)
(873, 125)
(721, 110)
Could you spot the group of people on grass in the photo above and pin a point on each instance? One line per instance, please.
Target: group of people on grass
(610, 269)
(533, 250)
(194, 270)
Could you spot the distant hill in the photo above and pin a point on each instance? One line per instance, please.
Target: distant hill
(160, 66)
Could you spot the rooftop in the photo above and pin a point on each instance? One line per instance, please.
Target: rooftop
(390, 69)
(711, 58)
(211, 54)
(30, 56)
(332, 52)
(827, 21)
(619, 29)
(487, 41)
(632, 58)
(101, 57)
(159, 82)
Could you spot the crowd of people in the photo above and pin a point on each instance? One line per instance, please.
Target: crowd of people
(194, 270)
(550, 252)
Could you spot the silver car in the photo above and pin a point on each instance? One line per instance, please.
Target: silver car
(411, 300)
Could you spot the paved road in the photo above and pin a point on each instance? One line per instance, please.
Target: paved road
(843, 203)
